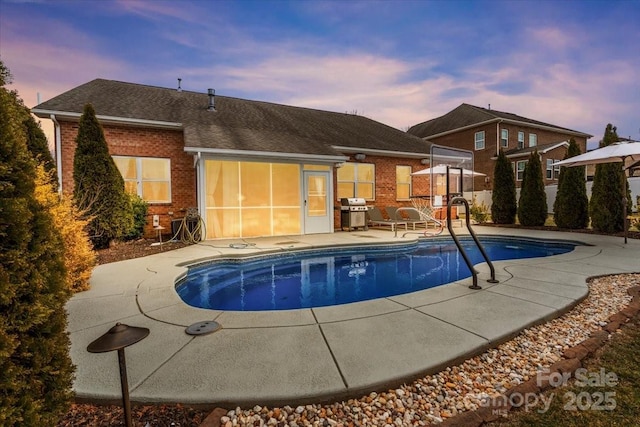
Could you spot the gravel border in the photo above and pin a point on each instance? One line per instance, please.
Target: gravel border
(475, 391)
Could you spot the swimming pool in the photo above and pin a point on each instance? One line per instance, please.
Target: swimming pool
(344, 275)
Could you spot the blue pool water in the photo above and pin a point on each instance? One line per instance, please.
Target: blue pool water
(340, 276)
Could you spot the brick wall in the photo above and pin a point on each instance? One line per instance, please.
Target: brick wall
(142, 142)
(385, 193)
(483, 158)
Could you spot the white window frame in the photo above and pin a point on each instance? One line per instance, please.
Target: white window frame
(355, 181)
(139, 180)
(533, 140)
(550, 168)
(520, 173)
(504, 138)
(520, 140)
(479, 138)
(410, 183)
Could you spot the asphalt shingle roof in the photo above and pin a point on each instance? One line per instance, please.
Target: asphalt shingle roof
(469, 115)
(528, 150)
(237, 124)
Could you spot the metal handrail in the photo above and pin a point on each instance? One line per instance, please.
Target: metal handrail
(458, 200)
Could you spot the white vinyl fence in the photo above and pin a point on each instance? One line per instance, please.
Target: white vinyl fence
(552, 190)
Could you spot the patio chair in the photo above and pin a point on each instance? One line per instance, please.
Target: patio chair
(413, 216)
(377, 219)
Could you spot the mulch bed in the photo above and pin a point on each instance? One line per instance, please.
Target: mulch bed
(120, 251)
(141, 416)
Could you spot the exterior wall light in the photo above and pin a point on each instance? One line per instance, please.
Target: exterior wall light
(424, 161)
(360, 156)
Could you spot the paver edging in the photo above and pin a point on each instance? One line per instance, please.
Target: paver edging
(499, 407)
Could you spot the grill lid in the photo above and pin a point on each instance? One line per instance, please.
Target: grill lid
(352, 201)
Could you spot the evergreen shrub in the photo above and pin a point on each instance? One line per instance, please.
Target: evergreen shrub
(571, 207)
(532, 207)
(503, 197)
(36, 372)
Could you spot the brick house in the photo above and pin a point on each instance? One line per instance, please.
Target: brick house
(250, 168)
(485, 132)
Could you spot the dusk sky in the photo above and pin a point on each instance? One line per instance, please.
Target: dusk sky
(574, 64)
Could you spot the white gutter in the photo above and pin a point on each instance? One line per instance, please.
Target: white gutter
(515, 122)
(266, 155)
(110, 119)
(58, 147)
(528, 153)
(387, 153)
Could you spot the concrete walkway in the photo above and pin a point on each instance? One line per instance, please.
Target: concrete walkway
(320, 354)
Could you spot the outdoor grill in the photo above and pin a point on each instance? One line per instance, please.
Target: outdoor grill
(353, 213)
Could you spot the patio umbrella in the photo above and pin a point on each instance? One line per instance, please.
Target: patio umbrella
(614, 153)
(442, 170)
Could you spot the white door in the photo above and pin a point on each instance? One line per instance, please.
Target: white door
(317, 214)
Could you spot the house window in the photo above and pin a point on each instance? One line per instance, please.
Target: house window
(504, 138)
(520, 169)
(553, 172)
(479, 140)
(520, 140)
(403, 182)
(533, 140)
(148, 177)
(357, 180)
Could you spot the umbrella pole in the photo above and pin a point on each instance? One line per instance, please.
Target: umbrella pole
(624, 201)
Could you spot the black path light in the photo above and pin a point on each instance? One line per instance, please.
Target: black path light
(117, 338)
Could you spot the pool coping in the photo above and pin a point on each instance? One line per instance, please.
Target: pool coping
(321, 354)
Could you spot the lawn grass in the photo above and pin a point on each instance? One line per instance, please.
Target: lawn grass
(620, 357)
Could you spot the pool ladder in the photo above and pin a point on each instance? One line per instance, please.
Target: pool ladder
(457, 201)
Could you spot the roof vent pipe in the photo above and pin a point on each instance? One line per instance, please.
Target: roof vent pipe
(179, 82)
(212, 100)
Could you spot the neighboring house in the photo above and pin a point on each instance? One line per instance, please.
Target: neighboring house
(485, 131)
(250, 168)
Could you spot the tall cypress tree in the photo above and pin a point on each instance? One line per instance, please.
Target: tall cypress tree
(571, 207)
(99, 187)
(35, 368)
(38, 145)
(532, 208)
(503, 198)
(605, 206)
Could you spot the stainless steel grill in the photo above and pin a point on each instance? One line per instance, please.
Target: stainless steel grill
(353, 213)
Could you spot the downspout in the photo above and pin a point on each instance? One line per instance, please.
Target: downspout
(498, 136)
(200, 196)
(58, 148)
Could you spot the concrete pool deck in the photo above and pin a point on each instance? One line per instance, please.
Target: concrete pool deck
(321, 354)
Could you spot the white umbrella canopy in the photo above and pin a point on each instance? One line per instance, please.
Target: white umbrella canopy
(616, 152)
(442, 170)
(613, 153)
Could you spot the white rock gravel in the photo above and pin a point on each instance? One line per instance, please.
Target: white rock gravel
(432, 399)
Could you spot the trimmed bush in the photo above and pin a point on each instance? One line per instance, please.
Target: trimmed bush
(571, 207)
(140, 209)
(532, 208)
(605, 206)
(79, 257)
(35, 368)
(99, 187)
(503, 198)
